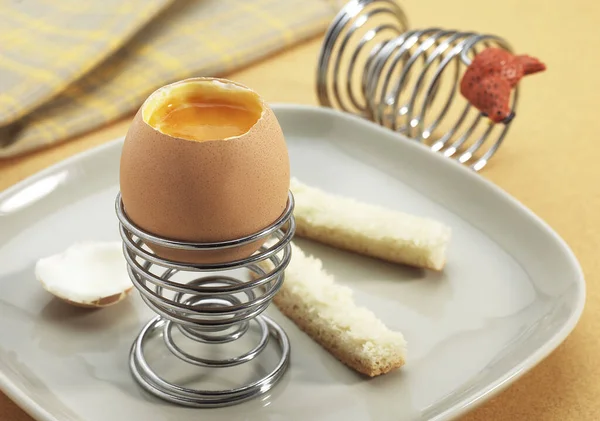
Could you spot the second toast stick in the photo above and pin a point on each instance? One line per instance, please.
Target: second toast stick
(326, 311)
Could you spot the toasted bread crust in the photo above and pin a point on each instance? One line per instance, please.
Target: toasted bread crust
(370, 230)
(299, 316)
(336, 335)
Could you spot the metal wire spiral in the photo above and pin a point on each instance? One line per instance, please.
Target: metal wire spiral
(212, 309)
(408, 80)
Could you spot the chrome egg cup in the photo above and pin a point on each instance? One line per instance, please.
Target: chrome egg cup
(207, 309)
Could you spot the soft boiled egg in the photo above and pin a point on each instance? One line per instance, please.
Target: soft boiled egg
(204, 160)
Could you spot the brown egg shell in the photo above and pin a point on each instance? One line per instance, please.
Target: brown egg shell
(206, 191)
(101, 302)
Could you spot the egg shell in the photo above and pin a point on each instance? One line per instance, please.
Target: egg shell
(205, 191)
(102, 302)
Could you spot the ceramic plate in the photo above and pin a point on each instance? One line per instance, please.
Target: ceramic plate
(510, 293)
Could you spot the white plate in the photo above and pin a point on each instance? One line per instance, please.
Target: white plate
(511, 292)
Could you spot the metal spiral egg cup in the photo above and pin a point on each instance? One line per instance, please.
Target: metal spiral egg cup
(207, 309)
(372, 66)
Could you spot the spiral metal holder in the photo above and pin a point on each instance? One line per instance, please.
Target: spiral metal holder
(207, 309)
(371, 65)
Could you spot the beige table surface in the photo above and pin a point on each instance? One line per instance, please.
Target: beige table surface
(548, 162)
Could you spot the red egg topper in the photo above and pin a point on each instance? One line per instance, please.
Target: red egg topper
(492, 75)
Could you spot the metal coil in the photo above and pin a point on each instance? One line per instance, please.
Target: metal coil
(408, 80)
(212, 308)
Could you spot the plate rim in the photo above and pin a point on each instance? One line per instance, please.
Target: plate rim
(463, 406)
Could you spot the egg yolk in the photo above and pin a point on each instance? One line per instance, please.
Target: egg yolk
(201, 119)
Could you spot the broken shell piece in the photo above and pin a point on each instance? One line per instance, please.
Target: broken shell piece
(88, 274)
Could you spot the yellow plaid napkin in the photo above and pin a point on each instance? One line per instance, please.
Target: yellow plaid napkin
(82, 61)
(46, 45)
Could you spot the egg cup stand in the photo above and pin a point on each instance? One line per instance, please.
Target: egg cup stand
(207, 309)
(398, 79)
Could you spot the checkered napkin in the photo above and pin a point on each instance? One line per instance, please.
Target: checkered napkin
(69, 66)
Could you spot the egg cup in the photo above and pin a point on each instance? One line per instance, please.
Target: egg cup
(211, 309)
